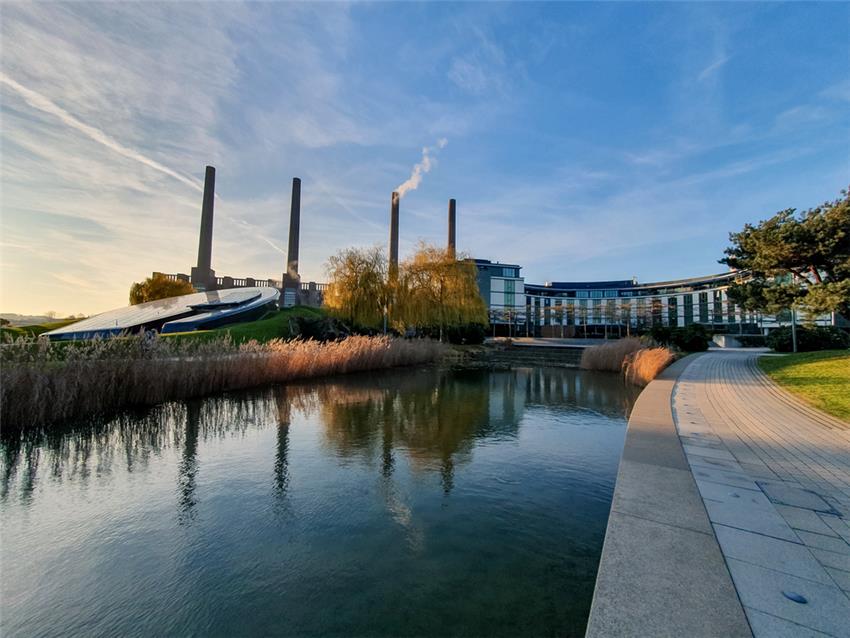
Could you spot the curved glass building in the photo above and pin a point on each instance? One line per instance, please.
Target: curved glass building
(599, 308)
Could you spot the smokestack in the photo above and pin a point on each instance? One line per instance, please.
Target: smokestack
(394, 235)
(203, 276)
(452, 229)
(291, 282)
(294, 230)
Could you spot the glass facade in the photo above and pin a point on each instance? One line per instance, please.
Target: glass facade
(689, 309)
(703, 307)
(672, 312)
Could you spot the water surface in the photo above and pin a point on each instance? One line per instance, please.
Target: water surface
(413, 502)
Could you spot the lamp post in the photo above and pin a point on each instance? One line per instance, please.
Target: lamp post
(793, 329)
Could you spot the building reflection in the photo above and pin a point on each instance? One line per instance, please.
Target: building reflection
(188, 467)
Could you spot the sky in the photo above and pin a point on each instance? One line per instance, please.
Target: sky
(581, 141)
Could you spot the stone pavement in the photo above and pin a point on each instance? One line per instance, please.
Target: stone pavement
(774, 476)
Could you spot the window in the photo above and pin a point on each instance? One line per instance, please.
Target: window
(689, 309)
(596, 294)
(718, 307)
(656, 311)
(672, 312)
(703, 307)
(610, 293)
(581, 294)
(510, 289)
(597, 310)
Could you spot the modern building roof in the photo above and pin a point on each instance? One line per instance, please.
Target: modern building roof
(175, 314)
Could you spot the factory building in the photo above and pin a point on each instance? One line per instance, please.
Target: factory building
(292, 290)
(516, 308)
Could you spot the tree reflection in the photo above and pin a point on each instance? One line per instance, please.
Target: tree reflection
(428, 418)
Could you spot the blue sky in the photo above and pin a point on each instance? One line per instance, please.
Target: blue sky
(582, 141)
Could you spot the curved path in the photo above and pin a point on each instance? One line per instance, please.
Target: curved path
(731, 512)
(774, 475)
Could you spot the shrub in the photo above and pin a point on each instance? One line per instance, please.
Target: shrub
(750, 341)
(809, 338)
(661, 334)
(644, 365)
(692, 338)
(471, 334)
(609, 357)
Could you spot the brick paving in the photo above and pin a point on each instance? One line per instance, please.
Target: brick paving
(774, 476)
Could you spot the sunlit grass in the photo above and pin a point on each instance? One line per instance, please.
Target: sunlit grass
(277, 324)
(822, 379)
(33, 330)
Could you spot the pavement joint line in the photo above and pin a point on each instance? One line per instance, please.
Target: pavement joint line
(666, 523)
(767, 613)
(769, 433)
(641, 587)
(750, 531)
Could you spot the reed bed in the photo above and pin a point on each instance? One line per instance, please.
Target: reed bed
(639, 364)
(42, 383)
(644, 365)
(609, 357)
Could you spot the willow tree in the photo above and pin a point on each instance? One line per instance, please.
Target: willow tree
(357, 289)
(436, 289)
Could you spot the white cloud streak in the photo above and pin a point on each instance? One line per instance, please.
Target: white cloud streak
(42, 103)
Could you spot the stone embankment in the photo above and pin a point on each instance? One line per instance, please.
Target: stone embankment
(505, 356)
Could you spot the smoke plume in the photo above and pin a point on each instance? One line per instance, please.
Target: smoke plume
(424, 166)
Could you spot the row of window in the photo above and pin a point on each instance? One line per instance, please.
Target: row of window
(710, 308)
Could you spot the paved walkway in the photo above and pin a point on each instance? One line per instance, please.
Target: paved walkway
(774, 476)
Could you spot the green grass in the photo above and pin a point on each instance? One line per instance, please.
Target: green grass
(819, 378)
(32, 331)
(274, 325)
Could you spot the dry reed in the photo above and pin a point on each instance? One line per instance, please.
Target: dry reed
(639, 364)
(609, 357)
(644, 365)
(42, 383)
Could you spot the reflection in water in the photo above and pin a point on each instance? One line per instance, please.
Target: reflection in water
(418, 502)
(434, 416)
(188, 467)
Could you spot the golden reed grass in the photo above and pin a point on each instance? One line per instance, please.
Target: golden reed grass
(43, 383)
(639, 364)
(609, 357)
(643, 366)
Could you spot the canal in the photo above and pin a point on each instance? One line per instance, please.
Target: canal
(406, 503)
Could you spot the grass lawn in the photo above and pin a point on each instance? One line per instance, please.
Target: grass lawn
(820, 378)
(274, 325)
(32, 331)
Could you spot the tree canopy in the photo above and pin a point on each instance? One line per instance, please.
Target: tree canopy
(357, 286)
(795, 260)
(437, 289)
(432, 289)
(158, 286)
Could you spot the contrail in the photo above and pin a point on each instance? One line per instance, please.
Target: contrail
(40, 102)
(412, 182)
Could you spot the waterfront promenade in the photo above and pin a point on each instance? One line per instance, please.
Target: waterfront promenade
(731, 513)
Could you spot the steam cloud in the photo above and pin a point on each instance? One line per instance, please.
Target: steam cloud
(424, 166)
